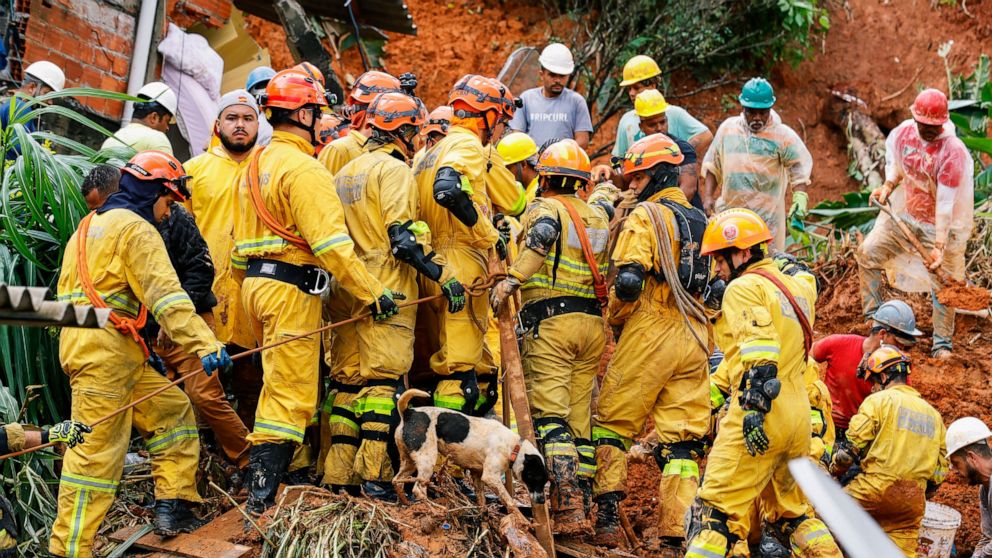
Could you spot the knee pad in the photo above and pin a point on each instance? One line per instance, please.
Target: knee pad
(491, 393)
(469, 387)
(606, 437)
(703, 517)
(692, 450)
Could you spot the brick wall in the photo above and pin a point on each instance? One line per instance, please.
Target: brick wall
(212, 13)
(90, 40)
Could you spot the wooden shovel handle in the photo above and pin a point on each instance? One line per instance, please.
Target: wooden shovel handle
(913, 240)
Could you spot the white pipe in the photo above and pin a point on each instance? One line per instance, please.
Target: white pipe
(139, 59)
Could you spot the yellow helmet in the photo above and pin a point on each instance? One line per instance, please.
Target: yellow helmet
(650, 102)
(881, 360)
(516, 147)
(639, 68)
(737, 227)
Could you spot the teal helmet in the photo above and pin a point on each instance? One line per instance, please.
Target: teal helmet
(757, 93)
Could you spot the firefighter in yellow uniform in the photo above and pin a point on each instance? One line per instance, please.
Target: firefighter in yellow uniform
(337, 153)
(288, 229)
(563, 323)
(519, 154)
(759, 435)
(214, 181)
(117, 259)
(660, 365)
(380, 207)
(457, 207)
(900, 438)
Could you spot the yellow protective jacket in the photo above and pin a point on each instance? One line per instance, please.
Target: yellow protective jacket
(337, 153)
(462, 151)
(820, 417)
(376, 191)
(900, 437)
(766, 331)
(129, 266)
(299, 193)
(504, 190)
(638, 243)
(214, 189)
(566, 273)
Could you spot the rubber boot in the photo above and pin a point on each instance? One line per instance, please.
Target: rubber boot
(567, 507)
(267, 464)
(609, 533)
(585, 485)
(173, 517)
(379, 490)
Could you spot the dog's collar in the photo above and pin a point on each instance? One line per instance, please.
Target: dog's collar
(514, 453)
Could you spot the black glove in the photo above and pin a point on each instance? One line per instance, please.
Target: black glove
(157, 364)
(503, 226)
(789, 264)
(755, 439)
(386, 306)
(455, 293)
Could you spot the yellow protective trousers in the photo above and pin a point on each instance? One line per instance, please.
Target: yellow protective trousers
(340, 436)
(658, 370)
(279, 310)
(897, 507)
(91, 471)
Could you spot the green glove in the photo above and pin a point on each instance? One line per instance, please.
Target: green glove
(800, 201)
(455, 293)
(68, 432)
(755, 439)
(386, 306)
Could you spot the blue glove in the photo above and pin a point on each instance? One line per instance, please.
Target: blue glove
(216, 361)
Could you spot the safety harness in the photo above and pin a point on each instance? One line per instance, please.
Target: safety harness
(803, 320)
(598, 281)
(125, 325)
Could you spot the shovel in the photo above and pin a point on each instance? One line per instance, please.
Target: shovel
(954, 293)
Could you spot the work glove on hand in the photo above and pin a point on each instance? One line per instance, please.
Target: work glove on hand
(799, 209)
(386, 306)
(219, 360)
(157, 364)
(68, 432)
(502, 291)
(503, 226)
(755, 439)
(455, 293)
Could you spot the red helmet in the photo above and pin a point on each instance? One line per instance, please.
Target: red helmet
(159, 165)
(370, 84)
(482, 94)
(390, 111)
(930, 107)
(292, 89)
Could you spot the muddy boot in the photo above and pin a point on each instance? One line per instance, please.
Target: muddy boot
(585, 485)
(671, 547)
(267, 464)
(349, 489)
(173, 517)
(379, 490)
(609, 533)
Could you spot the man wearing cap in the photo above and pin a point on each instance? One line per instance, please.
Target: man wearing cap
(214, 182)
(39, 78)
(149, 121)
(936, 200)
(892, 324)
(554, 111)
(754, 159)
(970, 455)
(641, 73)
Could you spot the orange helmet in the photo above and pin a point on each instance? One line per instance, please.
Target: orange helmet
(332, 127)
(292, 89)
(390, 111)
(738, 227)
(370, 84)
(881, 360)
(565, 158)
(650, 151)
(438, 121)
(159, 165)
(482, 94)
(310, 70)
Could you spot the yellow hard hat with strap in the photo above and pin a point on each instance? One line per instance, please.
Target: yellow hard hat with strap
(650, 102)
(639, 68)
(516, 147)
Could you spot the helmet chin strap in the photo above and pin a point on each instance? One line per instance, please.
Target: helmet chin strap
(311, 129)
(736, 270)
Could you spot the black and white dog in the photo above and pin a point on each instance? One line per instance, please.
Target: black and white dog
(483, 446)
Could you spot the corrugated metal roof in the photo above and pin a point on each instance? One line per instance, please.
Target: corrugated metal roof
(27, 306)
(388, 15)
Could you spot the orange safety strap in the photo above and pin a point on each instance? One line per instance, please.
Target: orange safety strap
(124, 325)
(263, 212)
(803, 320)
(598, 282)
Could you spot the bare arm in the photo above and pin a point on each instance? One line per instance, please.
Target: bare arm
(688, 180)
(582, 138)
(709, 193)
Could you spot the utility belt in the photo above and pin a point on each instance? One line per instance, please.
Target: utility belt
(536, 312)
(344, 388)
(310, 279)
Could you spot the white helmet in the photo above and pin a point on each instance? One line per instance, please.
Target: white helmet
(964, 432)
(47, 73)
(557, 59)
(162, 94)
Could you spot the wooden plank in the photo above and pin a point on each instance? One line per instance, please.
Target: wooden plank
(186, 546)
(578, 549)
